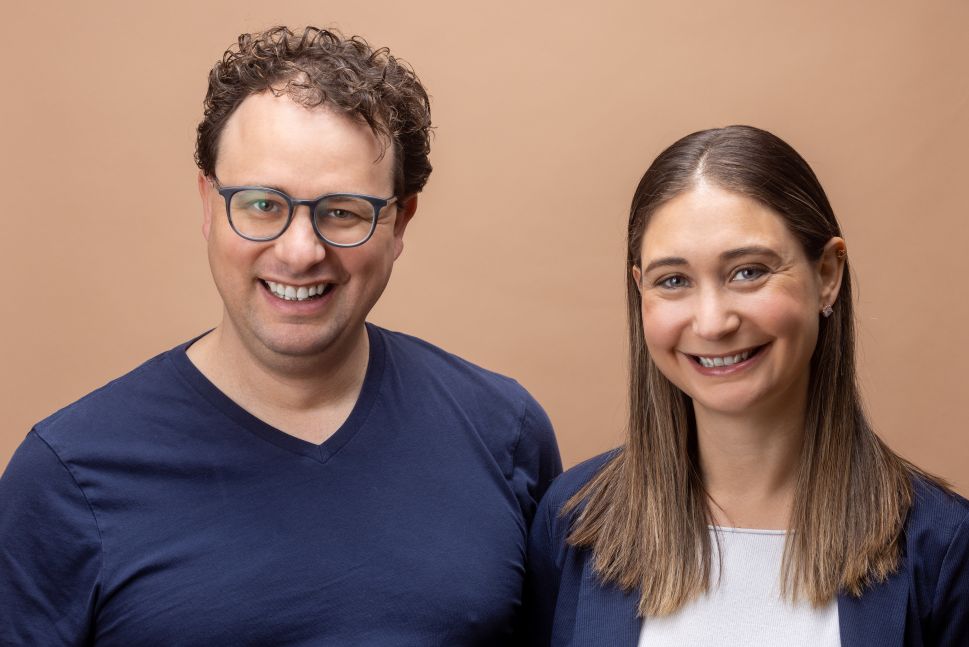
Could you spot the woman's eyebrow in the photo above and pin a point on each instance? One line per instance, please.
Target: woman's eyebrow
(729, 255)
(750, 250)
(666, 260)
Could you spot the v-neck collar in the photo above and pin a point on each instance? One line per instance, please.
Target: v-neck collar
(322, 452)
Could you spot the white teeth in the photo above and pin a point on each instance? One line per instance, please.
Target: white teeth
(711, 362)
(293, 293)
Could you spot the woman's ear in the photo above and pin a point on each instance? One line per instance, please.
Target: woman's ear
(638, 277)
(831, 267)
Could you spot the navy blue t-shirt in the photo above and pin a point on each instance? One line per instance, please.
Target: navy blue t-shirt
(156, 511)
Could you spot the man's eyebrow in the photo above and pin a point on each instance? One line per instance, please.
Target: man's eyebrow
(264, 185)
(666, 260)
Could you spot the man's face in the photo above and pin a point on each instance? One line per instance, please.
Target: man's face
(274, 142)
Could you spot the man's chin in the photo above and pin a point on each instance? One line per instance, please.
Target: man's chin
(301, 342)
(296, 347)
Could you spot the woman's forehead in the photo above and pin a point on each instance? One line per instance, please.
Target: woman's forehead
(708, 220)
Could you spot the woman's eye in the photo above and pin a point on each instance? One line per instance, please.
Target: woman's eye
(673, 282)
(748, 274)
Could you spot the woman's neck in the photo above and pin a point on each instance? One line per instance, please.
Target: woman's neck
(750, 466)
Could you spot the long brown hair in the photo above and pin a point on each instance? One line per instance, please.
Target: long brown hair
(645, 515)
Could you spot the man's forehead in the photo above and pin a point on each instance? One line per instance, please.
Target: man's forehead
(275, 134)
(274, 114)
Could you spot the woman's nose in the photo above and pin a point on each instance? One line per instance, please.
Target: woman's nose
(715, 316)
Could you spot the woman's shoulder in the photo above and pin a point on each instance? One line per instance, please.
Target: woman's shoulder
(553, 562)
(936, 540)
(936, 518)
(937, 524)
(936, 537)
(567, 484)
(551, 525)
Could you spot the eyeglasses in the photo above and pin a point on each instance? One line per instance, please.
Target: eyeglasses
(262, 214)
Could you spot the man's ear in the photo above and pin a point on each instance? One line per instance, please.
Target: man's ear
(205, 193)
(831, 267)
(638, 277)
(406, 208)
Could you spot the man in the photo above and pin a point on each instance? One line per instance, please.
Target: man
(296, 476)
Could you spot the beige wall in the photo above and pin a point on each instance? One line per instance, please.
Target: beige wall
(547, 113)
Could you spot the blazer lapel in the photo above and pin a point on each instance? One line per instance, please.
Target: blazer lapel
(605, 615)
(878, 616)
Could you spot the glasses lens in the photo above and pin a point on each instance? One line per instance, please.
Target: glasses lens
(257, 213)
(344, 220)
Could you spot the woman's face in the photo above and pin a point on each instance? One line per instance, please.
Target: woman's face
(730, 302)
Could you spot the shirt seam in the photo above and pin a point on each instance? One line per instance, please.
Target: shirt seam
(518, 440)
(90, 506)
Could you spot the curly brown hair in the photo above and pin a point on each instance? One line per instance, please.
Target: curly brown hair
(317, 66)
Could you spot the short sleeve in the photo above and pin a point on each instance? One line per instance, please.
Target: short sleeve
(50, 551)
(537, 460)
(950, 609)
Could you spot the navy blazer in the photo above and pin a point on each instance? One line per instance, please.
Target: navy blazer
(924, 604)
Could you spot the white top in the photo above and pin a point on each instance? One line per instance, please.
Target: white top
(746, 608)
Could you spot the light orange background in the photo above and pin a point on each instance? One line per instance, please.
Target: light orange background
(547, 113)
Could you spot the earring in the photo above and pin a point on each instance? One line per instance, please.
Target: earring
(827, 311)
(842, 252)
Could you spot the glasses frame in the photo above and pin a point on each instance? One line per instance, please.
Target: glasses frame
(378, 204)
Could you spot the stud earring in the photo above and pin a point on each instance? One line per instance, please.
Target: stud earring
(827, 311)
(842, 253)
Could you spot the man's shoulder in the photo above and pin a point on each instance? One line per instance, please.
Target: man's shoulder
(114, 404)
(434, 364)
(497, 408)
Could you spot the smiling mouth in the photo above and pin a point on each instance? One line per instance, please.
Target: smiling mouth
(726, 360)
(298, 293)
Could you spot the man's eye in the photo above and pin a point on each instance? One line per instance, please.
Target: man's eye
(343, 216)
(265, 207)
(748, 274)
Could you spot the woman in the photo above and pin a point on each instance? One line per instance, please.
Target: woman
(751, 503)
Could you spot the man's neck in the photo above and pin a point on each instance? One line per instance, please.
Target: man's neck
(307, 397)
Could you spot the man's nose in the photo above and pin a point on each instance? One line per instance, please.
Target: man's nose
(716, 316)
(299, 247)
